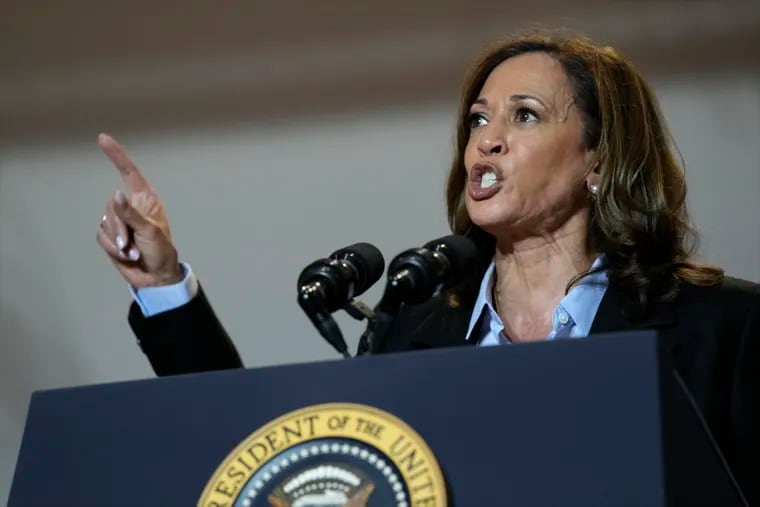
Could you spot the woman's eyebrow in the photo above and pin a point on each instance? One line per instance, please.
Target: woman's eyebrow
(482, 101)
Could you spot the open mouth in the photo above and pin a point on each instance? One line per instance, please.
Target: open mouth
(485, 181)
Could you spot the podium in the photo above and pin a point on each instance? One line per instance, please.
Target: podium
(599, 421)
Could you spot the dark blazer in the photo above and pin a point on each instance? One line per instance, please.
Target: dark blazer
(712, 333)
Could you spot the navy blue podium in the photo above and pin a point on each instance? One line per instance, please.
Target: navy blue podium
(595, 422)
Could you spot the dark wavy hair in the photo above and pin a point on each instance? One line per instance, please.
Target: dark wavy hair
(638, 219)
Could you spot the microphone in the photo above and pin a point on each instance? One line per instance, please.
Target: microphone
(414, 276)
(346, 273)
(327, 285)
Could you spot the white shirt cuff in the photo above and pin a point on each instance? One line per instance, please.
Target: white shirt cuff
(155, 300)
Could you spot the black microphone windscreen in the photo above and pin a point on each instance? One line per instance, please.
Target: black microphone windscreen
(461, 252)
(369, 262)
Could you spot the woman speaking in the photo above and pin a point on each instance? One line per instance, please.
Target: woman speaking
(565, 178)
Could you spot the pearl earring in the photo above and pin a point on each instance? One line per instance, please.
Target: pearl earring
(593, 188)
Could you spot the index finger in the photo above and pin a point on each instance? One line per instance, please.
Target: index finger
(131, 175)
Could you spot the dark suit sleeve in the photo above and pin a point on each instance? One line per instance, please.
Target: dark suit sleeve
(745, 406)
(187, 339)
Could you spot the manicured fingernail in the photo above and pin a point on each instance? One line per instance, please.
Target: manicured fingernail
(121, 200)
(134, 254)
(120, 242)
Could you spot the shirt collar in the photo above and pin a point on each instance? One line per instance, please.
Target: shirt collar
(581, 302)
(483, 302)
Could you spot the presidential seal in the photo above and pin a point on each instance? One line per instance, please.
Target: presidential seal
(330, 455)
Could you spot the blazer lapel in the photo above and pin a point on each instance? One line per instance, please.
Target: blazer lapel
(617, 313)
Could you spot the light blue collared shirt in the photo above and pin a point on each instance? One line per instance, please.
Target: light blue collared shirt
(571, 319)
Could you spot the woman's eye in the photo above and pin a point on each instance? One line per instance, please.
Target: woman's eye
(477, 120)
(525, 115)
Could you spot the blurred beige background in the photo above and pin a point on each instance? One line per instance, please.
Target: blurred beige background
(277, 133)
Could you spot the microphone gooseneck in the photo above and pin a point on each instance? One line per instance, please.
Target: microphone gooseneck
(312, 304)
(330, 284)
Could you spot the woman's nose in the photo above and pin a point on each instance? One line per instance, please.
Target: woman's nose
(491, 144)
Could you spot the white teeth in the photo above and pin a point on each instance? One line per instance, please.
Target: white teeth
(488, 180)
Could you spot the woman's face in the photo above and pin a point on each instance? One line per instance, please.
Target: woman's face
(526, 165)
